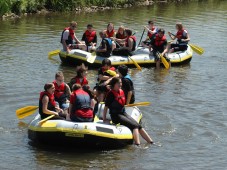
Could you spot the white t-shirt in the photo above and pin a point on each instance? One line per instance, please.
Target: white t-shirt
(65, 37)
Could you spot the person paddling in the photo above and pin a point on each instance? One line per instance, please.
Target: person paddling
(159, 45)
(151, 30)
(182, 37)
(129, 45)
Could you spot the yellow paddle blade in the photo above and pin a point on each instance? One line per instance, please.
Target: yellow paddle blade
(165, 63)
(96, 119)
(92, 57)
(53, 53)
(49, 124)
(136, 64)
(44, 120)
(197, 49)
(26, 111)
(138, 104)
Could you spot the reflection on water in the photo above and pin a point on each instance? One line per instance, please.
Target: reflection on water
(188, 103)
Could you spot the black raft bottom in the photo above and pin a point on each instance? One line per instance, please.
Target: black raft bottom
(76, 141)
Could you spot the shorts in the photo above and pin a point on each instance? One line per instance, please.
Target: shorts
(156, 57)
(126, 120)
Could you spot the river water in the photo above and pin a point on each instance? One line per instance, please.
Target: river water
(188, 111)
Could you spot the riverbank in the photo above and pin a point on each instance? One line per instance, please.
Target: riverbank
(19, 9)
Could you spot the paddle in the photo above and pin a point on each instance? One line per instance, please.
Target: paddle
(134, 104)
(165, 63)
(47, 118)
(92, 57)
(196, 48)
(138, 104)
(26, 111)
(135, 63)
(141, 38)
(53, 53)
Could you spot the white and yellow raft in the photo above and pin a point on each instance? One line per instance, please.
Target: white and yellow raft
(141, 56)
(89, 134)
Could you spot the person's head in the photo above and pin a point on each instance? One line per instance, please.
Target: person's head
(179, 26)
(49, 87)
(73, 25)
(110, 27)
(90, 27)
(76, 87)
(115, 83)
(59, 77)
(82, 71)
(128, 32)
(121, 30)
(102, 34)
(87, 89)
(122, 70)
(151, 22)
(161, 32)
(106, 63)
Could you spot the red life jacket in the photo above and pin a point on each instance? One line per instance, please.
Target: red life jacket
(159, 40)
(90, 36)
(59, 90)
(117, 106)
(149, 34)
(119, 96)
(50, 106)
(134, 42)
(70, 37)
(84, 81)
(180, 35)
(82, 104)
(110, 34)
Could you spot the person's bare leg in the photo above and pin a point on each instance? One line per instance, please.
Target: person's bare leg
(144, 134)
(158, 64)
(136, 136)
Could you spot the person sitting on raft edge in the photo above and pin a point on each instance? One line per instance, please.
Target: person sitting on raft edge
(68, 37)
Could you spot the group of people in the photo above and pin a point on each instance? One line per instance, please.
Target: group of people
(120, 43)
(123, 41)
(76, 101)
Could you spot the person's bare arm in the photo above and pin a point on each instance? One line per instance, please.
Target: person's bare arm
(45, 101)
(129, 96)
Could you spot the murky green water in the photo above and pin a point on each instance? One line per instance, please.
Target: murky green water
(188, 111)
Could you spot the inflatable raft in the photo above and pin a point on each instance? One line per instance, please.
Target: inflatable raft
(141, 56)
(88, 134)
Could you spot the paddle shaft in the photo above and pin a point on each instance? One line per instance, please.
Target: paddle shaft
(141, 37)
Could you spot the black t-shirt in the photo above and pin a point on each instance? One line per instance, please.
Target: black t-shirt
(127, 85)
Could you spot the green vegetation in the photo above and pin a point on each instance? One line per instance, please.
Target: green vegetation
(31, 6)
(22, 6)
